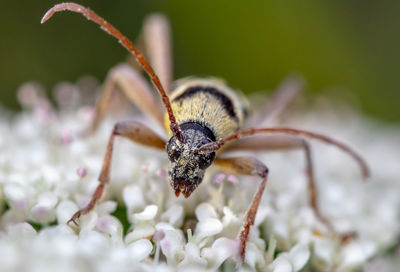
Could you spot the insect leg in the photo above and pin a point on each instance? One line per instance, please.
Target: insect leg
(312, 193)
(134, 87)
(215, 146)
(135, 132)
(262, 142)
(157, 41)
(285, 142)
(287, 92)
(246, 166)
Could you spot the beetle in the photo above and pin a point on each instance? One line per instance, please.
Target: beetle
(204, 118)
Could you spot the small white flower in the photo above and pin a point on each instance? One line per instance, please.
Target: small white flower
(140, 230)
(299, 256)
(140, 249)
(324, 253)
(174, 215)
(148, 214)
(205, 211)
(294, 260)
(172, 244)
(133, 197)
(48, 172)
(208, 224)
(110, 225)
(220, 251)
(207, 227)
(17, 196)
(21, 231)
(254, 256)
(356, 253)
(43, 211)
(192, 260)
(65, 210)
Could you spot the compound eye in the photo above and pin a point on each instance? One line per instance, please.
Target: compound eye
(173, 151)
(174, 155)
(205, 160)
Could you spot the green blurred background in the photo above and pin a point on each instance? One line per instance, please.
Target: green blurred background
(342, 47)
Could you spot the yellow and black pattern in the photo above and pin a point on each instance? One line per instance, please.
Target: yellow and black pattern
(208, 102)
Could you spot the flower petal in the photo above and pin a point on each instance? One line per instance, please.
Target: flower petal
(281, 264)
(140, 249)
(222, 249)
(133, 197)
(174, 215)
(147, 214)
(65, 210)
(204, 211)
(299, 256)
(207, 227)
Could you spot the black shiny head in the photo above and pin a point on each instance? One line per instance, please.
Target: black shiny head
(187, 165)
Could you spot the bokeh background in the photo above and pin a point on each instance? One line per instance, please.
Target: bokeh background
(342, 48)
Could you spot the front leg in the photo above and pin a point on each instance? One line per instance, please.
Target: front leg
(246, 166)
(135, 132)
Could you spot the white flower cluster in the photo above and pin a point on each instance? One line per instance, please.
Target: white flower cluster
(48, 171)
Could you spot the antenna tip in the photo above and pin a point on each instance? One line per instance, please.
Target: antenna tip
(47, 16)
(366, 173)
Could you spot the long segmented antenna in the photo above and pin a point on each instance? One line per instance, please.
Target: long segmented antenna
(107, 27)
(214, 146)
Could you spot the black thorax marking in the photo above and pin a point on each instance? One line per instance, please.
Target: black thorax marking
(225, 101)
(196, 126)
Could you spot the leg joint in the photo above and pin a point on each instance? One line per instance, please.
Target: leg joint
(264, 172)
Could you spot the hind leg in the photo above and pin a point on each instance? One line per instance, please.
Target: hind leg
(284, 142)
(281, 100)
(157, 41)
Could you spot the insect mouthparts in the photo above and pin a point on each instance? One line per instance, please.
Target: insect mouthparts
(183, 186)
